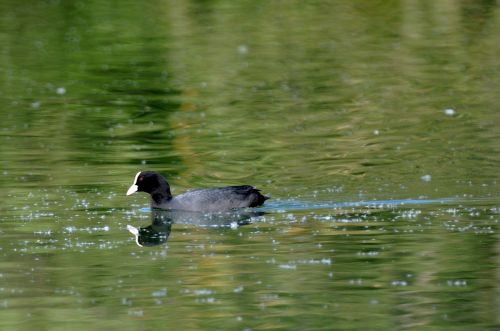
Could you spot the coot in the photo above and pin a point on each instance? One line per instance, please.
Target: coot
(200, 200)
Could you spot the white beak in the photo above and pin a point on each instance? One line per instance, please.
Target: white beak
(132, 189)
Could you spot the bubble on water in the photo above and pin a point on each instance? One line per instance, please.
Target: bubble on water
(143, 162)
(43, 233)
(242, 49)
(449, 112)
(358, 281)
(239, 289)
(126, 302)
(36, 104)
(288, 266)
(70, 229)
(368, 253)
(136, 312)
(376, 132)
(326, 261)
(426, 178)
(160, 293)
(203, 292)
(61, 90)
(457, 282)
(399, 283)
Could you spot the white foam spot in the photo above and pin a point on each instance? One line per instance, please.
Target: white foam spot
(449, 112)
(203, 291)
(288, 266)
(242, 49)
(239, 289)
(136, 312)
(160, 293)
(426, 178)
(399, 283)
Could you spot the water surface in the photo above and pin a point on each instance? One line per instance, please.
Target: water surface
(373, 127)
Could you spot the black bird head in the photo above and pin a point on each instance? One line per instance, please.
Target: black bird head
(149, 182)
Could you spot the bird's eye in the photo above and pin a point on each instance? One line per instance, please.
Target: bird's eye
(140, 179)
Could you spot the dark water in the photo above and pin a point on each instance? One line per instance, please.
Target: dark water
(374, 126)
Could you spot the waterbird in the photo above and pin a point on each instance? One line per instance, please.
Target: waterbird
(198, 200)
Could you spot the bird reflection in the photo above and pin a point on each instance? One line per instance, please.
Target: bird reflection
(161, 223)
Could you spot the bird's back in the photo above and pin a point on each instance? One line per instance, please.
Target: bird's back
(216, 199)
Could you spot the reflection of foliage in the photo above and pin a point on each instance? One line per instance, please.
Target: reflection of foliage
(235, 98)
(118, 101)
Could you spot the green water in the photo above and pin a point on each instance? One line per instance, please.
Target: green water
(324, 106)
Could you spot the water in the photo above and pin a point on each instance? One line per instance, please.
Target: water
(373, 127)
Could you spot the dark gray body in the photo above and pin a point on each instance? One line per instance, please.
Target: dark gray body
(213, 199)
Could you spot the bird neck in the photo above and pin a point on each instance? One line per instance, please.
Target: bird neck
(161, 195)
